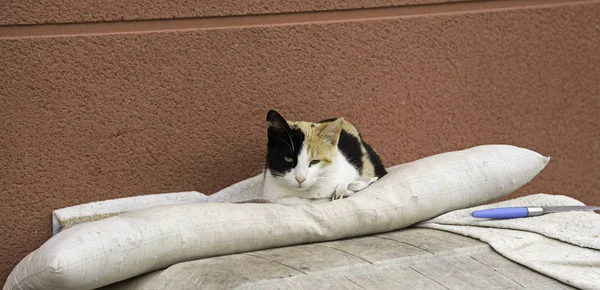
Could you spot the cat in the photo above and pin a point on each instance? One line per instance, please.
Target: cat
(316, 162)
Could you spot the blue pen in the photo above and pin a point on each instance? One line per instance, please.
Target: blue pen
(526, 211)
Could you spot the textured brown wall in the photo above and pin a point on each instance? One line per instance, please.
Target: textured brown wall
(71, 11)
(90, 113)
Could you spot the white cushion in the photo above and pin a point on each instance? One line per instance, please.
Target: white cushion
(99, 253)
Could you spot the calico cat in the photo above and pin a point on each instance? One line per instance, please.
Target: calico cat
(316, 162)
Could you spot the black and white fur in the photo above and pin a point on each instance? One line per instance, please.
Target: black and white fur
(317, 162)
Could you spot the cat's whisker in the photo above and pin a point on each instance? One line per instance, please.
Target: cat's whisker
(277, 173)
(291, 141)
(286, 143)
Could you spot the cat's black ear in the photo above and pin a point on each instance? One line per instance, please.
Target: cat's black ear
(276, 121)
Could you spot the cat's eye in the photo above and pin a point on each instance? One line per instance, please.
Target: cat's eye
(288, 159)
(313, 162)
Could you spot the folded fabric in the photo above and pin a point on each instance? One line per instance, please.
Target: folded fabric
(248, 190)
(98, 253)
(93, 211)
(564, 246)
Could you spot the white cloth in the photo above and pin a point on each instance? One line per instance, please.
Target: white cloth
(98, 253)
(564, 246)
(93, 211)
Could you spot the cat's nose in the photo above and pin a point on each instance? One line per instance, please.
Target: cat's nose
(300, 179)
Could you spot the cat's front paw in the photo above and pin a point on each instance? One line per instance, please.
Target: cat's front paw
(348, 189)
(361, 184)
(341, 191)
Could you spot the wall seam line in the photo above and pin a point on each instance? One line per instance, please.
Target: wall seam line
(278, 19)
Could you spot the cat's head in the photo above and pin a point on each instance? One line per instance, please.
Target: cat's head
(299, 153)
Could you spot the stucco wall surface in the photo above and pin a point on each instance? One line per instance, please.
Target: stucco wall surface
(88, 116)
(68, 11)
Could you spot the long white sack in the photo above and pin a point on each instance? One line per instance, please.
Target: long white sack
(99, 253)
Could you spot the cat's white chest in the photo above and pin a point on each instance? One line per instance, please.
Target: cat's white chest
(339, 173)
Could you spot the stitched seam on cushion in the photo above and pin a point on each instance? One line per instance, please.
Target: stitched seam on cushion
(20, 284)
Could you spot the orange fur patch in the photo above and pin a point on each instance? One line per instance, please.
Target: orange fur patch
(321, 141)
